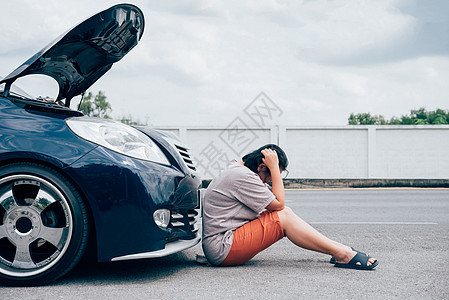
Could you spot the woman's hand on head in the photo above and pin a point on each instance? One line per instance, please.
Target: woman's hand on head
(270, 159)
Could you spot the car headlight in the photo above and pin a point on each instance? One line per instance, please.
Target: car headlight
(162, 217)
(118, 137)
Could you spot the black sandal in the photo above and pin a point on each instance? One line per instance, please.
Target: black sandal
(358, 262)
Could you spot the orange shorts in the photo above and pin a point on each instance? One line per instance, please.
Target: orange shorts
(253, 237)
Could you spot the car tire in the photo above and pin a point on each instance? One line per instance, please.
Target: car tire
(43, 224)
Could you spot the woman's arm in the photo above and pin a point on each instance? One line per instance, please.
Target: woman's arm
(271, 160)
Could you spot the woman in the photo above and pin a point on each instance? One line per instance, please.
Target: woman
(243, 215)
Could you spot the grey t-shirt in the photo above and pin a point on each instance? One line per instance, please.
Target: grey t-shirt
(232, 200)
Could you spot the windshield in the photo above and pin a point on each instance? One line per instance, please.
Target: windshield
(47, 103)
(15, 91)
(25, 100)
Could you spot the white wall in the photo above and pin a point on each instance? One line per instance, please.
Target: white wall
(356, 152)
(412, 153)
(326, 153)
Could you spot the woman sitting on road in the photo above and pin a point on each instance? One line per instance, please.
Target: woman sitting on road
(242, 216)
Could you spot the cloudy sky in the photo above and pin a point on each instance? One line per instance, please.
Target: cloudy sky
(202, 62)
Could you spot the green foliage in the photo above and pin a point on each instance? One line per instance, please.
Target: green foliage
(439, 116)
(366, 119)
(96, 107)
(128, 120)
(416, 117)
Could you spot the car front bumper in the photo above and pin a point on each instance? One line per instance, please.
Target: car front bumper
(170, 248)
(123, 193)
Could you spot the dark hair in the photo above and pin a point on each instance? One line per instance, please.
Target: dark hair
(254, 159)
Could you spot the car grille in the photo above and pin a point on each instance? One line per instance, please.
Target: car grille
(183, 224)
(184, 152)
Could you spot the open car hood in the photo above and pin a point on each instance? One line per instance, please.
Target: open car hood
(79, 57)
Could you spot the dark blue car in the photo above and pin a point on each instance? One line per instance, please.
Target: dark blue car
(69, 182)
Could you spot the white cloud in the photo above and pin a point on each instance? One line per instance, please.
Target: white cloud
(202, 62)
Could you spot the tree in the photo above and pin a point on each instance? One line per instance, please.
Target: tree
(128, 120)
(439, 116)
(366, 119)
(98, 107)
(86, 105)
(419, 116)
(416, 117)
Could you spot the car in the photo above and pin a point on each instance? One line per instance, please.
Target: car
(73, 185)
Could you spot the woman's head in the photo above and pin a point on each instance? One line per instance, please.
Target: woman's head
(254, 159)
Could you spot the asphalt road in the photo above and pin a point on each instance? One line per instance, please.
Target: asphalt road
(407, 230)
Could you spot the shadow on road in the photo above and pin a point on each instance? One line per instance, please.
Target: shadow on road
(143, 270)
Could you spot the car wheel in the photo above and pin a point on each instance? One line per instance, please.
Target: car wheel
(43, 224)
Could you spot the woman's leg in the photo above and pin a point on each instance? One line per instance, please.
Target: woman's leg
(305, 236)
